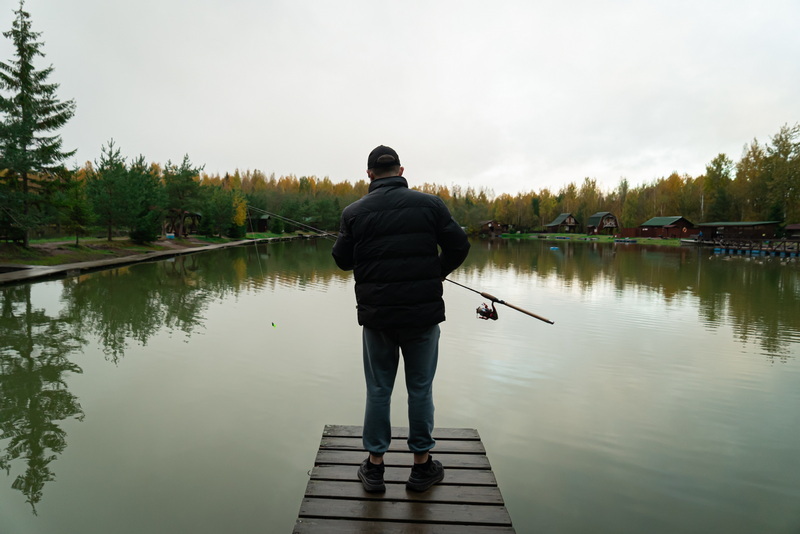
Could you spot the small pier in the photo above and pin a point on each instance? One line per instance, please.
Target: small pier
(467, 500)
(783, 248)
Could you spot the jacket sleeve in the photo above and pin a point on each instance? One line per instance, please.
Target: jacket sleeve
(343, 248)
(453, 242)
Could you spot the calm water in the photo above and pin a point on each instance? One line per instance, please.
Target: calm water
(190, 395)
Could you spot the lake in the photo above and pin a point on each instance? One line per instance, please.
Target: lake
(190, 395)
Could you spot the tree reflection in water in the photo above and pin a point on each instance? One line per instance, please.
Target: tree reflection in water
(34, 398)
(119, 306)
(761, 300)
(758, 297)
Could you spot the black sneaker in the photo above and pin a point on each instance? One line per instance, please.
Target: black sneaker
(423, 476)
(371, 476)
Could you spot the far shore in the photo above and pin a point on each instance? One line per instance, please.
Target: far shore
(61, 257)
(53, 252)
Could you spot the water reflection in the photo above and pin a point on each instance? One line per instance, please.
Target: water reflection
(760, 300)
(133, 303)
(119, 306)
(34, 398)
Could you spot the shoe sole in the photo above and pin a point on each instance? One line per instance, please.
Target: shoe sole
(424, 486)
(371, 488)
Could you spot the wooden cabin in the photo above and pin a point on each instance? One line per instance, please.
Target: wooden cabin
(258, 223)
(493, 228)
(675, 227)
(602, 222)
(564, 224)
(739, 230)
(792, 231)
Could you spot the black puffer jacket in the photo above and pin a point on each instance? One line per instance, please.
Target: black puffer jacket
(391, 239)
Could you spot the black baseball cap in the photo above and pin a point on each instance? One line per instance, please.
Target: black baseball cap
(382, 157)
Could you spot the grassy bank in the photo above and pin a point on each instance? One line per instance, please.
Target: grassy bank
(60, 251)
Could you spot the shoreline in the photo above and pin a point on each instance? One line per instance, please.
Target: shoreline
(17, 273)
(13, 270)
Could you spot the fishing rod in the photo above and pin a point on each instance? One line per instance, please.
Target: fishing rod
(484, 312)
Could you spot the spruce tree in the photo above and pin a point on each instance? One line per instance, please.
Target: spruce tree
(147, 200)
(106, 189)
(183, 192)
(30, 113)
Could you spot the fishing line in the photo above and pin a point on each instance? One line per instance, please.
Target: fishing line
(258, 258)
(322, 233)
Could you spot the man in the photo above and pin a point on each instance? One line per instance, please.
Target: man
(391, 239)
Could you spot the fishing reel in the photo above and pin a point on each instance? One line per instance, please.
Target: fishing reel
(485, 312)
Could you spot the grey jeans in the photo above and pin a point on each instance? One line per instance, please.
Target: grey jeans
(420, 348)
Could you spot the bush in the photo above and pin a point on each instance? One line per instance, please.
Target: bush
(206, 229)
(147, 229)
(237, 231)
(276, 225)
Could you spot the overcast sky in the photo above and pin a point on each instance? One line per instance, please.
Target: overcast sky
(510, 95)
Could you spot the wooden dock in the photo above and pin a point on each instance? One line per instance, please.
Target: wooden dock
(466, 501)
(783, 248)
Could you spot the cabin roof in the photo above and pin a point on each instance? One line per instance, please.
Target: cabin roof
(663, 221)
(597, 217)
(560, 219)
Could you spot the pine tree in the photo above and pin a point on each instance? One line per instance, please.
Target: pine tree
(73, 206)
(717, 188)
(182, 186)
(106, 188)
(30, 113)
(147, 198)
(782, 167)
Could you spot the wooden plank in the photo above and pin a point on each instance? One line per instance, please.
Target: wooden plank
(343, 526)
(442, 445)
(417, 512)
(397, 492)
(466, 477)
(399, 432)
(399, 459)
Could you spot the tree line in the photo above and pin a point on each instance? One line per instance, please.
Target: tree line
(763, 185)
(116, 194)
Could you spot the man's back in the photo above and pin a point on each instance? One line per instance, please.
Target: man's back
(391, 239)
